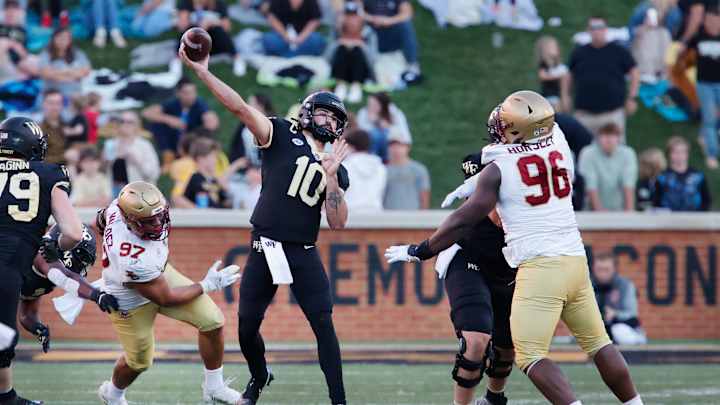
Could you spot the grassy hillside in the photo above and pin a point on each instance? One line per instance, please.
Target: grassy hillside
(466, 77)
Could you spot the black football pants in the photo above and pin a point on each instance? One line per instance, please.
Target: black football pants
(311, 289)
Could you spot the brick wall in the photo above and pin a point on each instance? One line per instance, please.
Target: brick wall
(377, 302)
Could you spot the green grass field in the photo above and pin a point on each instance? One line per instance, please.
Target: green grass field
(179, 383)
(466, 77)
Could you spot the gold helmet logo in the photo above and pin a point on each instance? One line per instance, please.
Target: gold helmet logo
(144, 210)
(522, 116)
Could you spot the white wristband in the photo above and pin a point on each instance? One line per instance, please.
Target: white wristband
(61, 280)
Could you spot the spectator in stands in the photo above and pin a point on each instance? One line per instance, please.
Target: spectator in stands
(204, 189)
(617, 299)
(294, 24)
(408, 181)
(692, 12)
(183, 167)
(598, 72)
(183, 113)
(681, 187)
(610, 171)
(350, 63)
(153, 18)
(246, 196)
(649, 48)
(578, 137)
(53, 126)
(392, 20)
(651, 163)
(105, 18)
(129, 156)
(16, 63)
(553, 74)
(367, 172)
(91, 113)
(378, 118)
(91, 188)
(212, 16)
(243, 143)
(669, 15)
(76, 130)
(48, 12)
(707, 45)
(62, 65)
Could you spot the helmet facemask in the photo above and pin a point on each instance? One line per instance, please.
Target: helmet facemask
(306, 118)
(155, 227)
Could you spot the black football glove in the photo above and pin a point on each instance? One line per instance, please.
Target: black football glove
(50, 249)
(42, 333)
(106, 302)
(100, 220)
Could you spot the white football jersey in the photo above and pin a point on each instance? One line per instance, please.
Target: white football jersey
(535, 198)
(129, 259)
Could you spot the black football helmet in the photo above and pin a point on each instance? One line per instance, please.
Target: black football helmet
(22, 138)
(80, 258)
(329, 101)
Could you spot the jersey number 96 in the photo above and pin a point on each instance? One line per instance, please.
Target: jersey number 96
(540, 177)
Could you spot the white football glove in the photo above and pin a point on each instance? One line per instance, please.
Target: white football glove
(400, 253)
(463, 191)
(217, 280)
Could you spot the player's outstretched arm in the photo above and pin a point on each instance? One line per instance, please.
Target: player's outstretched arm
(30, 320)
(455, 226)
(67, 219)
(258, 124)
(159, 291)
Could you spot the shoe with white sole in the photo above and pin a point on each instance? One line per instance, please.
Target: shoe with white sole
(103, 393)
(355, 94)
(341, 91)
(100, 38)
(223, 395)
(117, 38)
(239, 66)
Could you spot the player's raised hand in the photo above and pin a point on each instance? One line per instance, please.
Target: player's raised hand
(463, 191)
(219, 279)
(400, 253)
(331, 161)
(195, 66)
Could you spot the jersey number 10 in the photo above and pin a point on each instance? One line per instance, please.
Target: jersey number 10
(542, 179)
(302, 179)
(31, 193)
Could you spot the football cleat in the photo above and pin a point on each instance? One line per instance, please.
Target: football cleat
(254, 389)
(485, 401)
(223, 395)
(103, 393)
(22, 401)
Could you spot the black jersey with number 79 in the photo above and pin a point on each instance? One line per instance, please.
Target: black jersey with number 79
(293, 187)
(25, 189)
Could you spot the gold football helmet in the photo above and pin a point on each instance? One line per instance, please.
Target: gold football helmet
(522, 116)
(145, 210)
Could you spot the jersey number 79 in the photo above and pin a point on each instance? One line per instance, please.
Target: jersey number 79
(30, 192)
(542, 179)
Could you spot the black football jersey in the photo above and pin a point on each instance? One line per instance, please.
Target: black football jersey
(293, 187)
(25, 192)
(483, 244)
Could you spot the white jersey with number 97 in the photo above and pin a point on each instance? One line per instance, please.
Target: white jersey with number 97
(129, 259)
(535, 198)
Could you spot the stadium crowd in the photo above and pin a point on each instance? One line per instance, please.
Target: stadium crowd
(594, 90)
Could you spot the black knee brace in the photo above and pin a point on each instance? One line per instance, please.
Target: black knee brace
(499, 367)
(461, 362)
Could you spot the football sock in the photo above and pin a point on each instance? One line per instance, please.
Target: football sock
(329, 354)
(8, 396)
(214, 379)
(635, 401)
(494, 396)
(115, 392)
(253, 347)
(576, 403)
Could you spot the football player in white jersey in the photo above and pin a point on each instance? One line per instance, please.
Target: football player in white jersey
(136, 271)
(528, 178)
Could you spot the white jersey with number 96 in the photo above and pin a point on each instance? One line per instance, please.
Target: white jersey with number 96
(535, 197)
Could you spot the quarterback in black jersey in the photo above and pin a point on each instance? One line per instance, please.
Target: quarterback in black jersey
(298, 180)
(30, 191)
(479, 284)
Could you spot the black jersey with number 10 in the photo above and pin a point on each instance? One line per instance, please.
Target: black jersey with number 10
(293, 187)
(25, 189)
